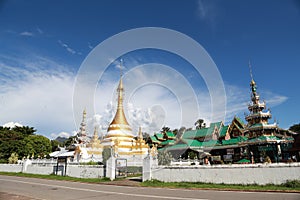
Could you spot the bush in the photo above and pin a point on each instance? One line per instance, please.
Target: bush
(106, 154)
(134, 170)
(13, 159)
(164, 158)
(292, 184)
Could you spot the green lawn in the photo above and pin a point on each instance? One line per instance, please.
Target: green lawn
(293, 185)
(56, 177)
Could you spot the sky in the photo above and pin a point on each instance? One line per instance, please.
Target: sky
(47, 47)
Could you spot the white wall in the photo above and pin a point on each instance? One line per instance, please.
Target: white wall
(85, 171)
(10, 168)
(39, 169)
(229, 174)
(80, 171)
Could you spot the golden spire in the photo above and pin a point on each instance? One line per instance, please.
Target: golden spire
(140, 134)
(119, 122)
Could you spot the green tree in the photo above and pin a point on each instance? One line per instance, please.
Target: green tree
(23, 142)
(175, 131)
(25, 130)
(200, 124)
(106, 154)
(10, 141)
(192, 155)
(39, 144)
(164, 157)
(70, 141)
(295, 128)
(55, 145)
(165, 129)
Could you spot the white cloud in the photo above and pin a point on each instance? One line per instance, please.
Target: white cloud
(68, 48)
(37, 93)
(90, 46)
(12, 124)
(40, 31)
(27, 33)
(207, 12)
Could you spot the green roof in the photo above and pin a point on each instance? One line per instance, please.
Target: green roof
(195, 133)
(185, 144)
(170, 134)
(154, 139)
(243, 161)
(176, 146)
(202, 132)
(264, 138)
(217, 124)
(289, 138)
(210, 143)
(168, 142)
(234, 140)
(230, 142)
(223, 131)
(192, 143)
(239, 120)
(159, 136)
(257, 125)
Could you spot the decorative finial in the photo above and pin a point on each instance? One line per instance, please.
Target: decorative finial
(250, 68)
(140, 134)
(121, 66)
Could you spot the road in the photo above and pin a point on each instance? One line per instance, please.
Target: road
(65, 190)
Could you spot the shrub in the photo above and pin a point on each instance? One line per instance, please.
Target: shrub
(13, 159)
(164, 158)
(292, 184)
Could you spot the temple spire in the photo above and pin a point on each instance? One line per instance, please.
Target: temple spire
(83, 124)
(253, 85)
(119, 122)
(250, 68)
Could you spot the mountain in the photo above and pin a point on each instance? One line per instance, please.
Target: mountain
(61, 139)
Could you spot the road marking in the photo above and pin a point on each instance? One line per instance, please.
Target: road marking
(105, 192)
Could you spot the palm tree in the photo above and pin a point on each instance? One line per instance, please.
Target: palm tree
(165, 129)
(200, 124)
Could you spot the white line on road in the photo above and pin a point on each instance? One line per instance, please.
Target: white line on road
(105, 192)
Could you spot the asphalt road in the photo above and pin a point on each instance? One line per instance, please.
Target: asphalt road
(64, 190)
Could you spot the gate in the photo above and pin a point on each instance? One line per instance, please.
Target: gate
(121, 167)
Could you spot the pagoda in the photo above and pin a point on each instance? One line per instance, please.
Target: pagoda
(119, 135)
(266, 141)
(258, 118)
(81, 136)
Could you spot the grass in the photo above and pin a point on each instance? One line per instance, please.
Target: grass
(289, 186)
(57, 177)
(292, 186)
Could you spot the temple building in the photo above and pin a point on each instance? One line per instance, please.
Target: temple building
(119, 138)
(253, 142)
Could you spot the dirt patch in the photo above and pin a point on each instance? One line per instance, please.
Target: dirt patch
(134, 182)
(7, 196)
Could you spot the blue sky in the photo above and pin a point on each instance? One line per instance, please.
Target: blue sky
(44, 43)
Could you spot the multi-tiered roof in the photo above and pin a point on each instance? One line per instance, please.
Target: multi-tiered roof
(258, 118)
